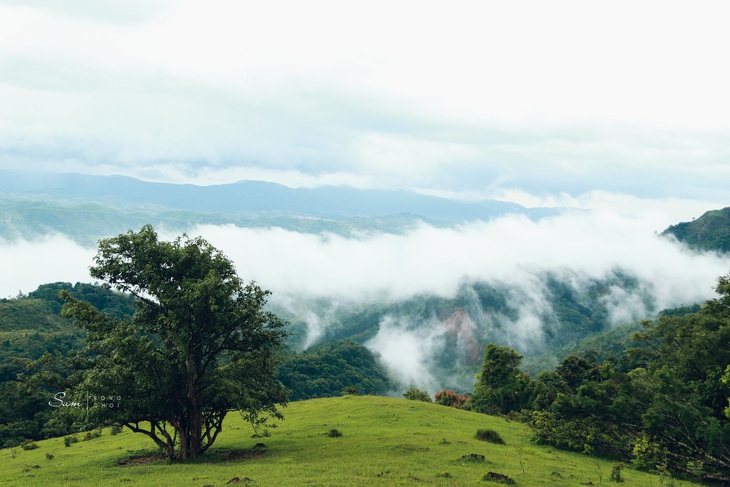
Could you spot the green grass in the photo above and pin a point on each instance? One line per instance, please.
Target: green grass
(385, 441)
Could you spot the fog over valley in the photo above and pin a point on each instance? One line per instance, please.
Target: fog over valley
(463, 286)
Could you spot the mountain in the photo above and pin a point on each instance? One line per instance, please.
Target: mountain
(711, 231)
(87, 207)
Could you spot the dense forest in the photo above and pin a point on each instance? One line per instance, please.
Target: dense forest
(662, 403)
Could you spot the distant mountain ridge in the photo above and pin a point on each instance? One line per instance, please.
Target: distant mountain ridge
(711, 231)
(88, 207)
(252, 197)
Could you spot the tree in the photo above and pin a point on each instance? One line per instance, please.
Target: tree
(500, 387)
(414, 394)
(199, 344)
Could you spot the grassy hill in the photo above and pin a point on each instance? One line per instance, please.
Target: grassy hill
(385, 441)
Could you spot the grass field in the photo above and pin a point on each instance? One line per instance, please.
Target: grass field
(385, 441)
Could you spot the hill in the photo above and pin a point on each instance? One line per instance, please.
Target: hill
(711, 231)
(87, 207)
(384, 441)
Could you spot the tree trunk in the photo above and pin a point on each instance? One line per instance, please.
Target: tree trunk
(192, 430)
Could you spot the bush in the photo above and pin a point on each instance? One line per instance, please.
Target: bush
(473, 457)
(116, 429)
(499, 478)
(49, 456)
(616, 473)
(450, 398)
(334, 433)
(350, 390)
(90, 435)
(414, 394)
(67, 440)
(28, 445)
(489, 435)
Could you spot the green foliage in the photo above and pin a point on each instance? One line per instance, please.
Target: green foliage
(489, 435)
(198, 345)
(69, 440)
(28, 445)
(414, 394)
(669, 413)
(499, 478)
(616, 472)
(501, 387)
(334, 433)
(326, 370)
(711, 231)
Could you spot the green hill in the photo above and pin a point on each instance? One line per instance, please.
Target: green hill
(711, 231)
(384, 441)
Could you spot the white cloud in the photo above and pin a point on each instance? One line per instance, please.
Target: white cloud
(511, 253)
(477, 96)
(510, 250)
(55, 258)
(407, 351)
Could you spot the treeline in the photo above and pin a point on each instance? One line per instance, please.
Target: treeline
(664, 405)
(31, 326)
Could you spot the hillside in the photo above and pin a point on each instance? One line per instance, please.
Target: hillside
(711, 231)
(385, 441)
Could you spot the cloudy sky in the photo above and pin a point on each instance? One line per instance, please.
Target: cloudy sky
(564, 102)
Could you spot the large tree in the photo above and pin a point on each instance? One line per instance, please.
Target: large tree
(199, 344)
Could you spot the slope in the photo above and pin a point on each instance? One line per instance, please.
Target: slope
(385, 441)
(711, 231)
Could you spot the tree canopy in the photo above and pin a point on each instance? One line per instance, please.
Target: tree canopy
(199, 344)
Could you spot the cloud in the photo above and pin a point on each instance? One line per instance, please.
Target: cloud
(508, 250)
(408, 351)
(495, 100)
(25, 265)
(316, 277)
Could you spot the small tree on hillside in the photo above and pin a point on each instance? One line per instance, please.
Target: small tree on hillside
(199, 344)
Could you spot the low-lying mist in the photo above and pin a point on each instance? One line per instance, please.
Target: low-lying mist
(617, 263)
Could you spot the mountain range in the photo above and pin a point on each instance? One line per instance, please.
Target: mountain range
(87, 207)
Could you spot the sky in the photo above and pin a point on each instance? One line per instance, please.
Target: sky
(619, 107)
(570, 103)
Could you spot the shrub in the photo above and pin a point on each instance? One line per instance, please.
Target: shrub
(28, 445)
(616, 472)
(499, 478)
(414, 394)
(350, 390)
(489, 435)
(49, 456)
(450, 398)
(334, 433)
(67, 440)
(90, 435)
(473, 457)
(116, 429)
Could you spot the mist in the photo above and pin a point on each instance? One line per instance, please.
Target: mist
(517, 254)
(511, 250)
(24, 265)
